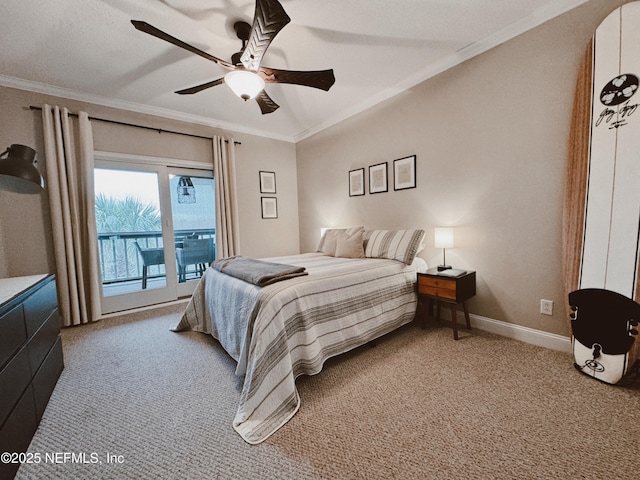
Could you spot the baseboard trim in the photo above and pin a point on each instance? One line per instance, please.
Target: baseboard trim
(180, 301)
(518, 332)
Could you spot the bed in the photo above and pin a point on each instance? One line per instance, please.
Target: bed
(280, 331)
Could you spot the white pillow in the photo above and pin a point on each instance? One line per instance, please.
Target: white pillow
(400, 245)
(349, 246)
(329, 240)
(420, 265)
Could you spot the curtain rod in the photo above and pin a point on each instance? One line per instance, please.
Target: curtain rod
(159, 130)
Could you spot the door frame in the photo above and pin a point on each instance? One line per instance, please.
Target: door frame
(171, 291)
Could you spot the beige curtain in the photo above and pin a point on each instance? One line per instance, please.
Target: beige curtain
(69, 165)
(224, 172)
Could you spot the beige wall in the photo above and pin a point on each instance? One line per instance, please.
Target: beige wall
(268, 237)
(25, 232)
(491, 139)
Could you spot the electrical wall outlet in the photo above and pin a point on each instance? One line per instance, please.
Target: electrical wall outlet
(546, 307)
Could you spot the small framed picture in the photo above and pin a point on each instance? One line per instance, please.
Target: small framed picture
(267, 182)
(269, 207)
(378, 178)
(356, 182)
(404, 173)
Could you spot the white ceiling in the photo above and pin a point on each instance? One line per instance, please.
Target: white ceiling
(88, 50)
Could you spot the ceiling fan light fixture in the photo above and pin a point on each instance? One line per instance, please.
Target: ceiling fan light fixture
(247, 77)
(244, 83)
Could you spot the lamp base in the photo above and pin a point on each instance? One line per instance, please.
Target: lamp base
(444, 267)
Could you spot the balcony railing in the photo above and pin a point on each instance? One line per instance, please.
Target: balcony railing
(119, 259)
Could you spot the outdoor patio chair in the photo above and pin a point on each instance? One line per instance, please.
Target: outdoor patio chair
(199, 252)
(150, 256)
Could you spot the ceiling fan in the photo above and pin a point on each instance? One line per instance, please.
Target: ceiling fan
(246, 77)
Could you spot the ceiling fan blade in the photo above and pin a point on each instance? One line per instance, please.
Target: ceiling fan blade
(266, 104)
(151, 30)
(199, 88)
(268, 20)
(322, 79)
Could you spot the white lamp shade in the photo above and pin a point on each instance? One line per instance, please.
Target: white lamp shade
(443, 237)
(244, 83)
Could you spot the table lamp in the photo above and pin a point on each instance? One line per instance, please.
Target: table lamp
(443, 240)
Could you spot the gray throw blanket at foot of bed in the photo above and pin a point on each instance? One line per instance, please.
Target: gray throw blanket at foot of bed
(258, 272)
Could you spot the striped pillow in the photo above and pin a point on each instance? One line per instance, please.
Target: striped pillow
(401, 245)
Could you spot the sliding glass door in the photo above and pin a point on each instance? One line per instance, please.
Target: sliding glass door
(194, 224)
(156, 231)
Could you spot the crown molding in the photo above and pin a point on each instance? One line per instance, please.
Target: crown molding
(45, 89)
(540, 16)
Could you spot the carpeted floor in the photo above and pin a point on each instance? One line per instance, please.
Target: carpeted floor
(159, 405)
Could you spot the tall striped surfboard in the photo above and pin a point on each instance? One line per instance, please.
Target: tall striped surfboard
(602, 198)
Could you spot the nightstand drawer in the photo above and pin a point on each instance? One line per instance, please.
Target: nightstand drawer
(437, 287)
(445, 293)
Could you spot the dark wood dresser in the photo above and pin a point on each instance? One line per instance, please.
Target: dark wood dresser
(30, 360)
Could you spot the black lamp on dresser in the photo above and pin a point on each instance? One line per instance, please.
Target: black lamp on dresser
(30, 361)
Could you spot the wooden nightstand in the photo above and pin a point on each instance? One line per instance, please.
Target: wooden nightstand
(441, 287)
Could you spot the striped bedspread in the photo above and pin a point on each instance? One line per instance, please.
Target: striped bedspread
(289, 328)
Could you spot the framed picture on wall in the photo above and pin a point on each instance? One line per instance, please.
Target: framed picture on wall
(269, 207)
(404, 173)
(267, 182)
(356, 182)
(378, 178)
